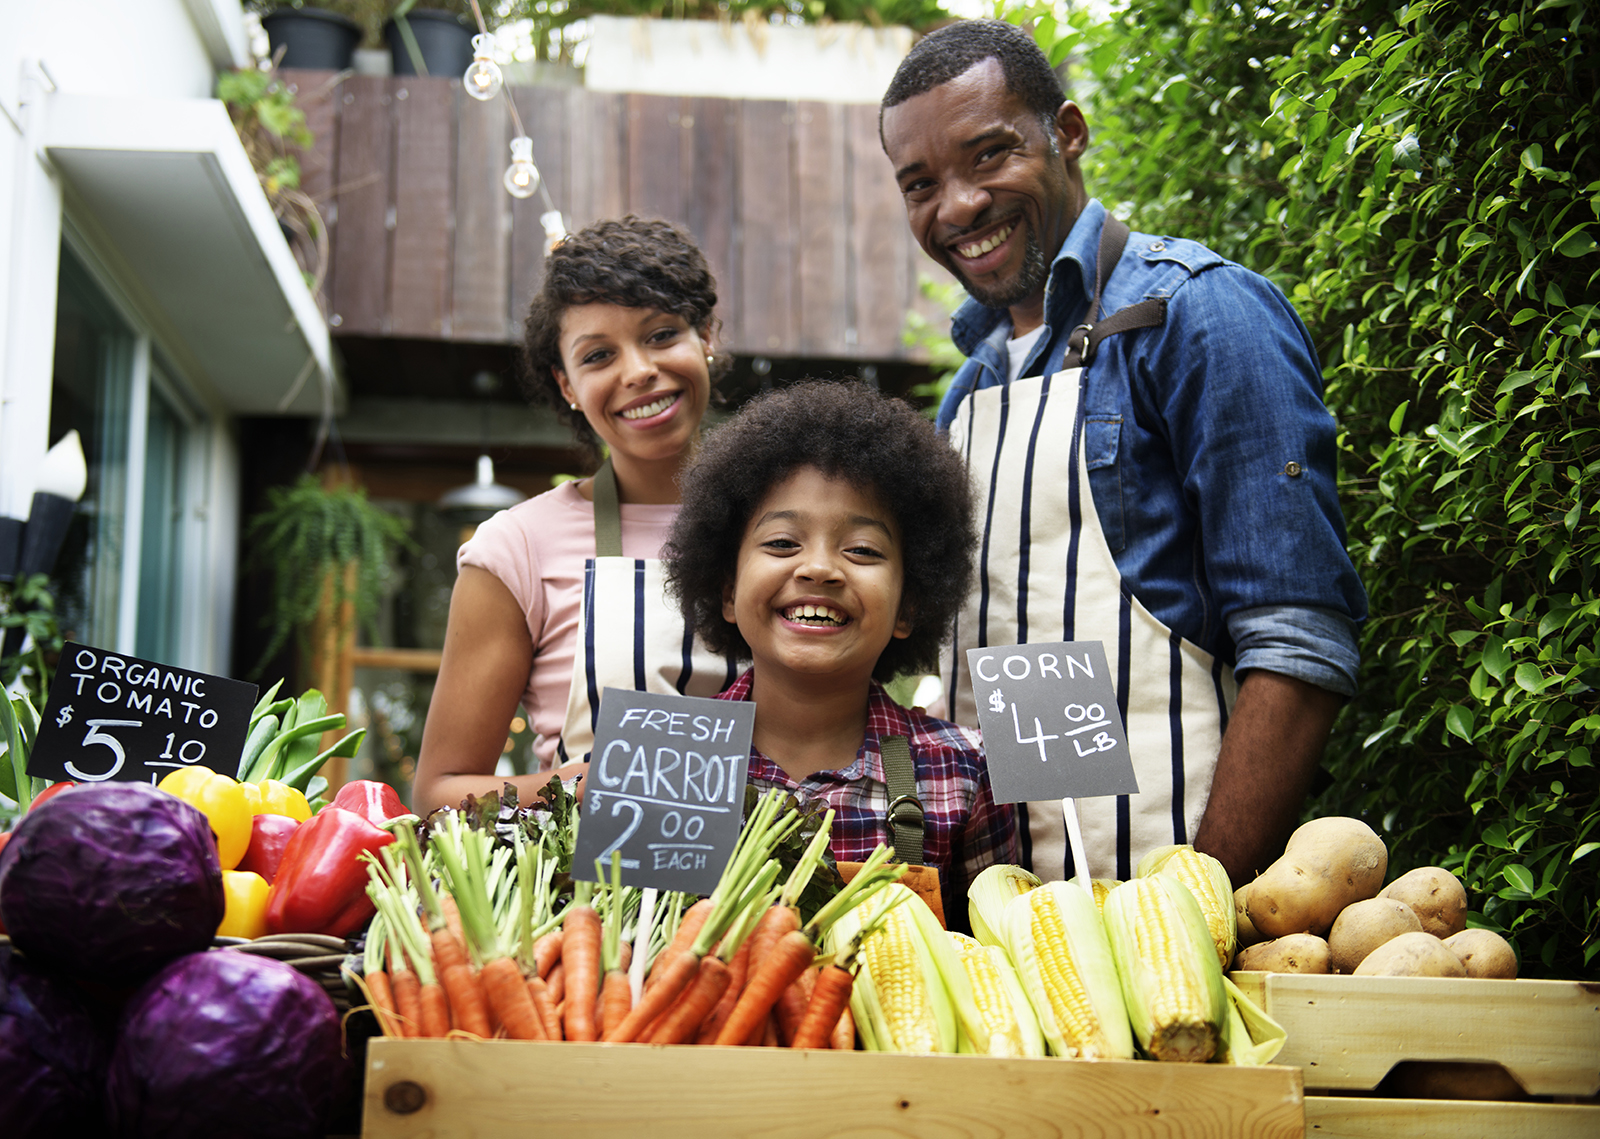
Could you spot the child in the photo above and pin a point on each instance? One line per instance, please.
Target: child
(826, 535)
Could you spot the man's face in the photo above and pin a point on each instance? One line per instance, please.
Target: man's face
(986, 185)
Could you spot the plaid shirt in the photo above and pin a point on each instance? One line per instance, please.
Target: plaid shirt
(965, 830)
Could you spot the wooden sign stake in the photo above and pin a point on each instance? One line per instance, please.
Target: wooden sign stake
(641, 941)
(1080, 857)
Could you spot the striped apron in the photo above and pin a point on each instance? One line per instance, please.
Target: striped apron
(630, 635)
(1045, 573)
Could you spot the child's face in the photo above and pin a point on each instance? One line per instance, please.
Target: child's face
(820, 543)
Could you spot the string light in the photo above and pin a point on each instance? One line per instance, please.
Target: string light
(483, 79)
(522, 176)
(555, 230)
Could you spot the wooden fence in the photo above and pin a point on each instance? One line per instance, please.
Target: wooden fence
(794, 204)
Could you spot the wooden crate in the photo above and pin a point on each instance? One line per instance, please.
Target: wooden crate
(1346, 1033)
(1360, 1117)
(489, 1089)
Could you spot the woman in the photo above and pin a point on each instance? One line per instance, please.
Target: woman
(561, 596)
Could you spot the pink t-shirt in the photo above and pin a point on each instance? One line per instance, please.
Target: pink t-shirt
(537, 549)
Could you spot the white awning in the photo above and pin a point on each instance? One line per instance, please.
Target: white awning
(169, 186)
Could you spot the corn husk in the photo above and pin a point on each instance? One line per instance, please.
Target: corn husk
(1171, 979)
(1080, 1010)
(989, 894)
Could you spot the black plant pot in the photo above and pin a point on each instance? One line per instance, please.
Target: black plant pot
(443, 39)
(312, 38)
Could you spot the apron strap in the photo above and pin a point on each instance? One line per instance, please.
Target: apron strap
(607, 513)
(1149, 313)
(905, 809)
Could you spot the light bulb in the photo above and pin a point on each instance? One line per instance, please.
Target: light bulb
(483, 79)
(522, 176)
(555, 230)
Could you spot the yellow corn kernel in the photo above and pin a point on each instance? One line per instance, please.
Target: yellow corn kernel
(991, 994)
(902, 976)
(1171, 979)
(1100, 887)
(1208, 882)
(1064, 962)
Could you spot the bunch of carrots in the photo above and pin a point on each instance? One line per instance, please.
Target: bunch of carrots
(467, 942)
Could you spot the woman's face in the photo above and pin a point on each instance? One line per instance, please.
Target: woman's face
(640, 377)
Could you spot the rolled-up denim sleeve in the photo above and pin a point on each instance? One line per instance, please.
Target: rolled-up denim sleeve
(1315, 645)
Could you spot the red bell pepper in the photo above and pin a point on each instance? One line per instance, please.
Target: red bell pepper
(322, 882)
(51, 792)
(376, 802)
(269, 838)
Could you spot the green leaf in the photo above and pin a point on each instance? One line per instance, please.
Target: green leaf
(1459, 719)
(1578, 245)
(1529, 678)
(1398, 417)
(1408, 153)
(1586, 848)
(1533, 156)
(1496, 660)
(1519, 876)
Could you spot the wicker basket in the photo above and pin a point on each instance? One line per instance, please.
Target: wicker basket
(319, 956)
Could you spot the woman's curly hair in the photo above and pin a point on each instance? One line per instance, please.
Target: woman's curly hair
(634, 262)
(850, 432)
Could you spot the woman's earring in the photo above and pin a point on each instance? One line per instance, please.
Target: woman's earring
(573, 406)
(710, 359)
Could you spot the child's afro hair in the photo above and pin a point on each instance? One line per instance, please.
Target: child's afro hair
(850, 432)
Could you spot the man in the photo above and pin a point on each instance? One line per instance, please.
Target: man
(1175, 498)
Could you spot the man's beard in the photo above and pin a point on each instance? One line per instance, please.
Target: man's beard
(1028, 281)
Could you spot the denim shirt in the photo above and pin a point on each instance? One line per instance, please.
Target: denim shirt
(1211, 455)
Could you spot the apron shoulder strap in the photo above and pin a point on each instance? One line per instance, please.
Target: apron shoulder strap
(607, 513)
(905, 809)
(1149, 313)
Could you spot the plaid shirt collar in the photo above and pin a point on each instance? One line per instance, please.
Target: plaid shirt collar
(884, 718)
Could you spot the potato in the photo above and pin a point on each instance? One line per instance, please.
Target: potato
(1248, 935)
(1363, 926)
(1328, 864)
(1412, 955)
(1484, 953)
(1436, 894)
(1296, 953)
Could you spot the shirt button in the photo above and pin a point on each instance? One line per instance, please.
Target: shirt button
(1292, 469)
(1157, 246)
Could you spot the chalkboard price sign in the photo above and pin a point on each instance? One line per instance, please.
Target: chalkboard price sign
(1051, 726)
(665, 788)
(111, 716)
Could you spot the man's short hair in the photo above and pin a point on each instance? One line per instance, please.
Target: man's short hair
(955, 48)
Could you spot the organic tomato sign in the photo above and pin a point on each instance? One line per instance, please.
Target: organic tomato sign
(665, 788)
(111, 716)
(1051, 726)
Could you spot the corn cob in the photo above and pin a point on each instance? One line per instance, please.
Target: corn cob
(1058, 944)
(912, 993)
(1100, 887)
(1208, 882)
(1013, 1029)
(1170, 976)
(988, 896)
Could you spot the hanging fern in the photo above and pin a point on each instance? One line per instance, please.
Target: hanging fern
(304, 539)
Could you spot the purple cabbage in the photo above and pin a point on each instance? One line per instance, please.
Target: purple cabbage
(110, 882)
(222, 1045)
(53, 1054)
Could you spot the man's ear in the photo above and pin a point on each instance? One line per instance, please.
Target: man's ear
(1072, 132)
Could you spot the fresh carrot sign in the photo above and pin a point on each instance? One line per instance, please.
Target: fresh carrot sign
(665, 788)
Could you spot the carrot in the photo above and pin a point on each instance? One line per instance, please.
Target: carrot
(469, 1010)
(547, 952)
(769, 1032)
(557, 980)
(776, 922)
(407, 1001)
(830, 997)
(683, 1020)
(580, 954)
(654, 1002)
(616, 1000)
(688, 929)
(448, 949)
(381, 992)
(435, 1011)
(540, 992)
(791, 1006)
(843, 1037)
(452, 917)
(786, 960)
(738, 973)
(508, 996)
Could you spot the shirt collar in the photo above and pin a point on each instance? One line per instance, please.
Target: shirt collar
(1066, 292)
(884, 718)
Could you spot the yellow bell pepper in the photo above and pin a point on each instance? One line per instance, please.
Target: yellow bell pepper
(222, 801)
(278, 798)
(246, 912)
(252, 796)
